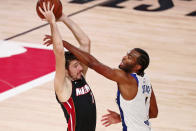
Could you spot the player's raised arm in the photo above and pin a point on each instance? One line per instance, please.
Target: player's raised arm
(79, 34)
(57, 47)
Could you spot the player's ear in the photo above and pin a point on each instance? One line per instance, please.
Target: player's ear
(138, 67)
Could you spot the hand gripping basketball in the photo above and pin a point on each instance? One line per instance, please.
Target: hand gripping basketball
(57, 8)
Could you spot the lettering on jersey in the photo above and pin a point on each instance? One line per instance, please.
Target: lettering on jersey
(146, 89)
(83, 90)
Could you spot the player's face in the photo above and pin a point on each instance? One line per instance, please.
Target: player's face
(75, 69)
(129, 61)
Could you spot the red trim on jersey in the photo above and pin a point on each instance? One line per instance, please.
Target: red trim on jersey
(69, 105)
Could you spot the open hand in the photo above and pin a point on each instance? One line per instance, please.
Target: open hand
(47, 40)
(111, 118)
(47, 12)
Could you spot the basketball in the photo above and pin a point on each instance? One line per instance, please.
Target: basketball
(57, 8)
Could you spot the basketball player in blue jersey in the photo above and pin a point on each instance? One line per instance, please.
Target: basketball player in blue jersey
(72, 91)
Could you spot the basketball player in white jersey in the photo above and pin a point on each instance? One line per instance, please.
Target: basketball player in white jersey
(135, 97)
(135, 112)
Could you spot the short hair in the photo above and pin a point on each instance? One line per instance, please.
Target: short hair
(142, 60)
(68, 58)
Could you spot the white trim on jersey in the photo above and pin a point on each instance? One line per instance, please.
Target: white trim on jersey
(68, 104)
(71, 122)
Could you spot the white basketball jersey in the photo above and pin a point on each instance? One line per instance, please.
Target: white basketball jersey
(135, 112)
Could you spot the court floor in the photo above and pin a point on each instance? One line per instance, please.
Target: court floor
(165, 28)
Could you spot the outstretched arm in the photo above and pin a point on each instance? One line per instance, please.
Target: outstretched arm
(80, 36)
(112, 74)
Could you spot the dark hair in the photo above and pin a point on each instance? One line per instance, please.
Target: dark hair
(68, 58)
(142, 60)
